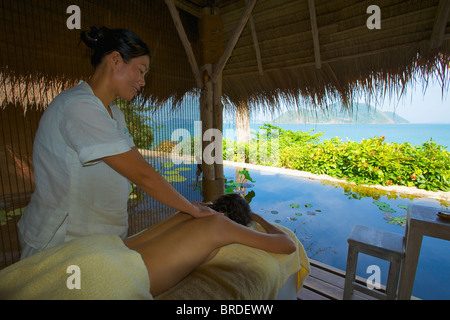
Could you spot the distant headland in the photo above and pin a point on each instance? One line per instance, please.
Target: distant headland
(362, 114)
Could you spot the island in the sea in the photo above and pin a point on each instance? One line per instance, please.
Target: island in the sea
(361, 113)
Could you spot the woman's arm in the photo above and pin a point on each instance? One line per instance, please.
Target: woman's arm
(135, 168)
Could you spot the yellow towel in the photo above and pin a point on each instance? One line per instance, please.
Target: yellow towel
(107, 269)
(244, 273)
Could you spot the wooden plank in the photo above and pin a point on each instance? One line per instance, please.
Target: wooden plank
(306, 294)
(325, 289)
(327, 283)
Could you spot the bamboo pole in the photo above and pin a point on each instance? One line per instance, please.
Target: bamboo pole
(218, 124)
(443, 12)
(256, 44)
(315, 32)
(212, 114)
(184, 39)
(206, 113)
(233, 40)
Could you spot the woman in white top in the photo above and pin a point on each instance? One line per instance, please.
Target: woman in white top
(83, 158)
(83, 155)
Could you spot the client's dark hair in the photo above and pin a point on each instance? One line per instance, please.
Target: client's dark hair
(234, 207)
(103, 41)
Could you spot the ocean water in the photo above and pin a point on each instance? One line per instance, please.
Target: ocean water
(416, 134)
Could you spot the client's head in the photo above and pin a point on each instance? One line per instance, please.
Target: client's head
(234, 207)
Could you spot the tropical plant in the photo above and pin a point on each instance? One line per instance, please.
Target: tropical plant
(371, 161)
(139, 124)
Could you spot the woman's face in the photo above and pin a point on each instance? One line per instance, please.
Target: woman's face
(130, 77)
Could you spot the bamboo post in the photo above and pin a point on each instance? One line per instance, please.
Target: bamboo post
(211, 104)
(185, 41)
(206, 114)
(443, 13)
(242, 132)
(255, 43)
(315, 33)
(218, 124)
(233, 40)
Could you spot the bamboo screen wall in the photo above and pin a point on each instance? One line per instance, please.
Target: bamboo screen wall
(41, 57)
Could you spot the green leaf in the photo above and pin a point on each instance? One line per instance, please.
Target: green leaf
(246, 174)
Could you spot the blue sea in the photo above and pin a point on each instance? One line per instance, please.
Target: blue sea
(416, 134)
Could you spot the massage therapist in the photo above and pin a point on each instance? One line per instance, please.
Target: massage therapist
(84, 157)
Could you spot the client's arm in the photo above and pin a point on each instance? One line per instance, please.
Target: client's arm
(270, 228)
(275, 240)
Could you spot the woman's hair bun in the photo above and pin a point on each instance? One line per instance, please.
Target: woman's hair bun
(91, 37)
(104, 41)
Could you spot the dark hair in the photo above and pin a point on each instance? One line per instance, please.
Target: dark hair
(103, 41)
(234, 207)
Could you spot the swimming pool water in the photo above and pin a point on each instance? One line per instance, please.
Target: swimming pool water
(322, 216)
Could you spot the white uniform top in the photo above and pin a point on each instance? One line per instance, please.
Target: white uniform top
(76, 194)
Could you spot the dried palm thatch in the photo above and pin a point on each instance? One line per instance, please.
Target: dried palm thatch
(308, 52)
(40, 56)
(354, 60)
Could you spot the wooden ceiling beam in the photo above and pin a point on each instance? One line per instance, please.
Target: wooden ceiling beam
(442, 15)
(233, 40)
(292, 65)
(315, 33)
(256, 44)
(184, 39)
(188, 7)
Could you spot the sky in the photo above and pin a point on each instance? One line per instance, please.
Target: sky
(417, 107)
(414, 105)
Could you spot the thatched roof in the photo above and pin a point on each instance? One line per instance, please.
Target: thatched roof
(353, 58)
(336, 57)
(40, 56)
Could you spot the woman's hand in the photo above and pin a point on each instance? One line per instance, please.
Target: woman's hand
(201, 210)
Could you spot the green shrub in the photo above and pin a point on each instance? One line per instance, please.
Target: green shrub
(371, 161)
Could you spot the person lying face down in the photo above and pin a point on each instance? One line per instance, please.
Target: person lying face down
(177, 245)
(234, 207)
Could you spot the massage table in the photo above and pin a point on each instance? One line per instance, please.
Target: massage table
(105, 268)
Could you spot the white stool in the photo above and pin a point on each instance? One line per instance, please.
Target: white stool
(378, 243)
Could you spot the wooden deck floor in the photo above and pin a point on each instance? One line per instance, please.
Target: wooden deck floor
(327, 283)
